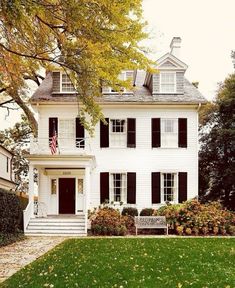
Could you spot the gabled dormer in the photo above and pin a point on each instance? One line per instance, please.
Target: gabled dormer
(61, 83)
(169, 78)
(124, 75)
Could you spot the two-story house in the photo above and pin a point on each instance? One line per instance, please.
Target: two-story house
(6, 173)
(145, 155)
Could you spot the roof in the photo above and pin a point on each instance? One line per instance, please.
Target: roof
(5, 149)
(140, 94)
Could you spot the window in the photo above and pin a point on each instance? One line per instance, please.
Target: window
(118, 133)
(53, 186)
(118, 187)
(66, 133)
(66, 85)
(169, 133)
(124, 75)
(168, 187)
(168, 80)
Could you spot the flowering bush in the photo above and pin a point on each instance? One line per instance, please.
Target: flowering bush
(194, 218)
(109, 221)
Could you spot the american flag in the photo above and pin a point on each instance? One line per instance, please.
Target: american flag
(53, 143)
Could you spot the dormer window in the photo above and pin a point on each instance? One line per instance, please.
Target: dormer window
(66, 84)
(167, 82)
(124, 75)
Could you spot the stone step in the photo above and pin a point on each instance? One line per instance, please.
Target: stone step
(34, 227)
(54, 233)
(59, 224)
(52, 220)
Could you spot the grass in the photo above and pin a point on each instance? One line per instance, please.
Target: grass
(133, 262)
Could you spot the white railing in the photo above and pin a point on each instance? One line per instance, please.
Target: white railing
(27, 214)
(64, 145)
(40, 209)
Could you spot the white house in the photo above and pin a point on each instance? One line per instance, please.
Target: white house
(6, 174)
(147, 153)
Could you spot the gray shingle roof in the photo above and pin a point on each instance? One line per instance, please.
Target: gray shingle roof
(140, 94)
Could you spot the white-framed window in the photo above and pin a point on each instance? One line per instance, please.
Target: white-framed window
(117, 132)
(53, 186)
(118, 187)
(66, 133)
(167, 82)
(66, 84)
(169, 187)
(169, 133)
(124, 75)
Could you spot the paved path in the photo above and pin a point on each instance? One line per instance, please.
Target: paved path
(15, 256)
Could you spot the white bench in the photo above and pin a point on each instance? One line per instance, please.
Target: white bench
(151, 222)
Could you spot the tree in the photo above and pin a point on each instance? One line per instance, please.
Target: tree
(91, 40)
(16, 139)
(217, 153)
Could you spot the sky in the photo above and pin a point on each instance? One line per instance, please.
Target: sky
(207, 30)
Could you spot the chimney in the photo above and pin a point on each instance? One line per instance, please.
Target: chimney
(175, 46)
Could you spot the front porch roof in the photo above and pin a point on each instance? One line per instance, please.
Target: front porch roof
(62, 160)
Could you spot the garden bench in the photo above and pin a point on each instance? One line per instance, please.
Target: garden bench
(151, 222)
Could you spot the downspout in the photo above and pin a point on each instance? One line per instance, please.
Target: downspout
(199, 106)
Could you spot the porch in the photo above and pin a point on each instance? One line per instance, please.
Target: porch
(63, 184)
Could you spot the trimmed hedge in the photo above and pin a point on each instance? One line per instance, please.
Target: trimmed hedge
(130, 211)
(147, 212)
(10, 212)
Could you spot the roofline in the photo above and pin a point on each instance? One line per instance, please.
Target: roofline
(105, 103)
(6, 150)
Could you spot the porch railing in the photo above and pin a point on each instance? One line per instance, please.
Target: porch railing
(27, 214)
(63, 145)
(40, 209)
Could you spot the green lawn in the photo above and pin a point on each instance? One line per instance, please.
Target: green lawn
(133, 262)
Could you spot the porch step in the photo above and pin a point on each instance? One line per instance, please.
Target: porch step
(74, 226)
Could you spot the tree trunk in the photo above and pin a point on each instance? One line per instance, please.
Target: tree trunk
(27, 111)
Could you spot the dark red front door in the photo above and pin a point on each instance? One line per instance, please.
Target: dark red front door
(66, 195)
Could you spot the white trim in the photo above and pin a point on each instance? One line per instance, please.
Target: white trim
(123, 188)
(65, 92)
(176, 192)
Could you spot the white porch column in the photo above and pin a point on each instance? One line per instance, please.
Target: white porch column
(31, 189)
(87, 191)
(87, 187)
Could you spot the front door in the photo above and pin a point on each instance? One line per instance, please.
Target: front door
(66, 195)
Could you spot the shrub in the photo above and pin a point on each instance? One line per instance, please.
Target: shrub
(10, 212)
(130, 211)
(197, 218)
(147, 212)
(109, 221)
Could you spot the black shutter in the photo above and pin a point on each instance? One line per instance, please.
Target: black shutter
(104, 134)
(182, 132)
(182, 186)
(131, 187)
(53, 126)
(156, 187)
(156, 132)
(104, 187)
(80, 133)
(131, 132)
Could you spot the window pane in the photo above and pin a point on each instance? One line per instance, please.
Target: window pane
(53, 186)
(118, 187)
(169, 186)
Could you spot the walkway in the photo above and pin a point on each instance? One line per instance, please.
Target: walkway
(15, 256)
